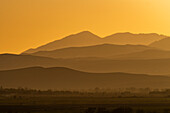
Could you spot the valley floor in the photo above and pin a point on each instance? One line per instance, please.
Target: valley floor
(84, 105)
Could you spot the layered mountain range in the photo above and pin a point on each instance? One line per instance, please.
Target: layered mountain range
(64, 78)
(92, 61)
(89, 64)
(87, 38)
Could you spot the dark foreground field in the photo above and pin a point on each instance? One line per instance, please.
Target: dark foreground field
(84, 105)
(129, 100)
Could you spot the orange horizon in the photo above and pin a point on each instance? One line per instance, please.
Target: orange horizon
(31, 23)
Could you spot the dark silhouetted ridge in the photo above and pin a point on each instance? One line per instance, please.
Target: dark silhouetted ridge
(143, 65)
(64, 78)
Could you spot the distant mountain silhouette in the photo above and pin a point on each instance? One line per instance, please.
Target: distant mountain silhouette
(162, 44)
(87, 38)
(147, 54)
(104, 50)
(84, 38)
(129, 38)
(98, 65)
(64, 78)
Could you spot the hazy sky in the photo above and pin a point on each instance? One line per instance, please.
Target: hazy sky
(30, 23)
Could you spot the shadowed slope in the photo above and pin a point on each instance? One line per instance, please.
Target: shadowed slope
(147, 54)
(151, 66)
(64, 78)
(104, 50)
(12, 61)
(162, 44)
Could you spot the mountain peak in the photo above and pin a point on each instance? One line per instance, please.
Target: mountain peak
(85, 33)
(82, 35)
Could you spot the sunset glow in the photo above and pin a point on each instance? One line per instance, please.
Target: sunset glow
(27, 24)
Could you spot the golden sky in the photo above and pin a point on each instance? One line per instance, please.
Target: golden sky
(30, 23)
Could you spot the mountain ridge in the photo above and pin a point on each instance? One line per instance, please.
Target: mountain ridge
(146, 54)
(65, 78)
(95, 65)
(85, 35)
(102, 50)
(86, 38)
(163, 44)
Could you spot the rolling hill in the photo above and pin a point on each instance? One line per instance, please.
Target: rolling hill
(64, 78)
(97, 65)
(13, 61)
